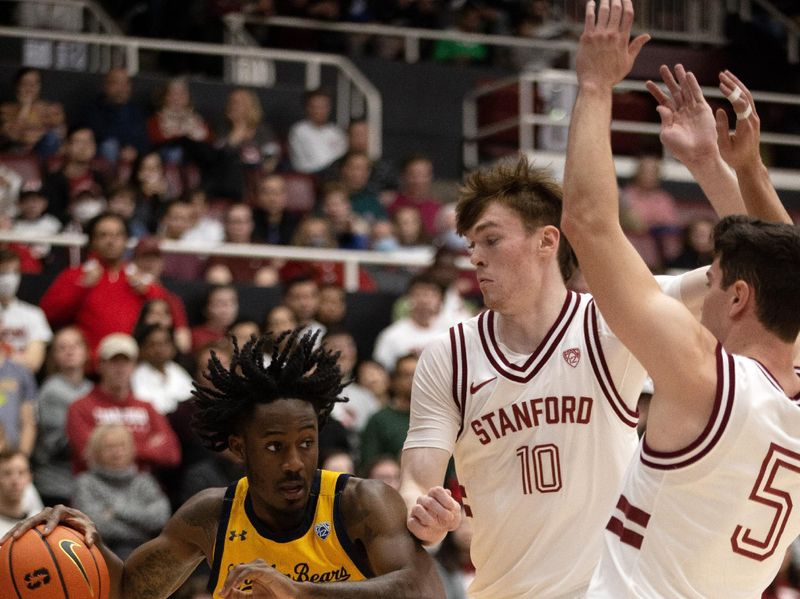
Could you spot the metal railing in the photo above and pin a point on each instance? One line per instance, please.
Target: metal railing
(314, 62)
(78, 16)
(552, 123)
(351, 259)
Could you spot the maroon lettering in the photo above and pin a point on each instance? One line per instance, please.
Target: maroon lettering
(584, 410)
(536, 410)
(521, 415)
(551, 410)
(483, 436)
(505, 423)
(489, 418)
(567, 409)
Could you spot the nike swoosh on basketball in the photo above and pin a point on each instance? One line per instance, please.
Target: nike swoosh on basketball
(473, 388)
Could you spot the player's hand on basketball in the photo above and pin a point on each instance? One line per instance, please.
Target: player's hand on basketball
(52, 517)
(266, 582)
(606, 52)
(740, 148)
(688, 128)
(434, 515)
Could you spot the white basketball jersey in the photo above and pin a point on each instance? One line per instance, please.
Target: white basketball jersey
(715, 519)
(541, 443)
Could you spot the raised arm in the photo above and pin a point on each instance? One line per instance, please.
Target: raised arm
(672, 346)
(688, 131)
(375, 516)
(740, 149)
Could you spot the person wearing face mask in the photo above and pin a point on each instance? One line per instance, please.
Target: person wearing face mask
(24, 331)
(104, 294)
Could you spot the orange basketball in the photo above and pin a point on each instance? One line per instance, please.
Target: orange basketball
(58, 566)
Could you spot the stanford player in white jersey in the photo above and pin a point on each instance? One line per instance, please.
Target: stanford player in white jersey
(706, 509)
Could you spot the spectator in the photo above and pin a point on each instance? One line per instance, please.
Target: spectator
(23, 330)
(361, 404)
(83, 207)
(315, 232)
(386, 430)
(349, 229)
(373, 376)
(383, 174)
(206, 228)
(75, 175)
(32, 220)
(122, 201)
(332, 306)
(111, 402)
(698, 246)
(385, 468)
(158, 379)
(246, 149)
(273, 224)
(355, 173)
(18, 497)
(409, 229)
(66, 382)
(251, 270)
(29, 122)
(117, 122)
(446, 234)
(648, 209)
(411, 335)
(415, 191)
(176, 223)
(314, 143)
(220, 312)
(168, 310)
(301, 296)
(154, 191)
(279, 320)
(18, 408)
(538, 24)
(127, 506)
(469, 20)
(100, 297)
(243, 329)
(337, 460)
(176, 118)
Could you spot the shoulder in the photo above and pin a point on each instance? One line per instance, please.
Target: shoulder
(371, 506)
(197, 519)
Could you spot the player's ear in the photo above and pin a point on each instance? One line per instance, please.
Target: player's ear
(236, 445)
(549, 237)
(742, 296)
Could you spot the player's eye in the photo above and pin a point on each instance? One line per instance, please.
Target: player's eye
(274, 447)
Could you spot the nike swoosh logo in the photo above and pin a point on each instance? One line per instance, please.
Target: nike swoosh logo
(473, 388)
(67, 547)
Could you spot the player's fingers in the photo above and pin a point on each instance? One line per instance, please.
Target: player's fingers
(615, 15)
(589, 17)
(627, 17)
(659, 95)
(672, 85)
(723, 129)
(680, 77)
(422, 516)
(636, 45)
(444, 498)
(740, 85)
(667, 116)
(694, 88)
(602, 14)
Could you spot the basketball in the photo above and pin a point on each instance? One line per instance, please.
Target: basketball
(58, 566)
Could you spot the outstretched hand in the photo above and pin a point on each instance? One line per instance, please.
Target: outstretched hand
(606, 53)
(688, 128)
(52, 517)
(740, 148)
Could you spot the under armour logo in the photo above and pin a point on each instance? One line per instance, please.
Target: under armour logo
(240, 535)
(323, 529)
(572, 356)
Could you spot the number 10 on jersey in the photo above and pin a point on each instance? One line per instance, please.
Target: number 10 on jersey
(540, 467)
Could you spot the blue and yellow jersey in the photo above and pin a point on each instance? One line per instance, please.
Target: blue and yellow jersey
(318, 550)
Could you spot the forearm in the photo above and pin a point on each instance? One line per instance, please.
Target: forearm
(155, 575)
(719, 184)
(27, 437)
(760, 198)
(590, 185)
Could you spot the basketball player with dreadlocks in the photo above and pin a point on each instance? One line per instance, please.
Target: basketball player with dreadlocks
(286, 527)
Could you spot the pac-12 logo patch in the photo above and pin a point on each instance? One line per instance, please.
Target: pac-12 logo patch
(323, 529)
(572, 356)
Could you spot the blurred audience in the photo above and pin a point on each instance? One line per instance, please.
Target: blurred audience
(158, 379)
(220, 311)
(273, 223)
(28, 123)
(315, 143)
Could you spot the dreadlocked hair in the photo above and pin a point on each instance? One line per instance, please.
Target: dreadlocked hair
(297, 371)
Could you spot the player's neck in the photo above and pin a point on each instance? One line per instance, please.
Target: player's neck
(775, 355)
(522, 329)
